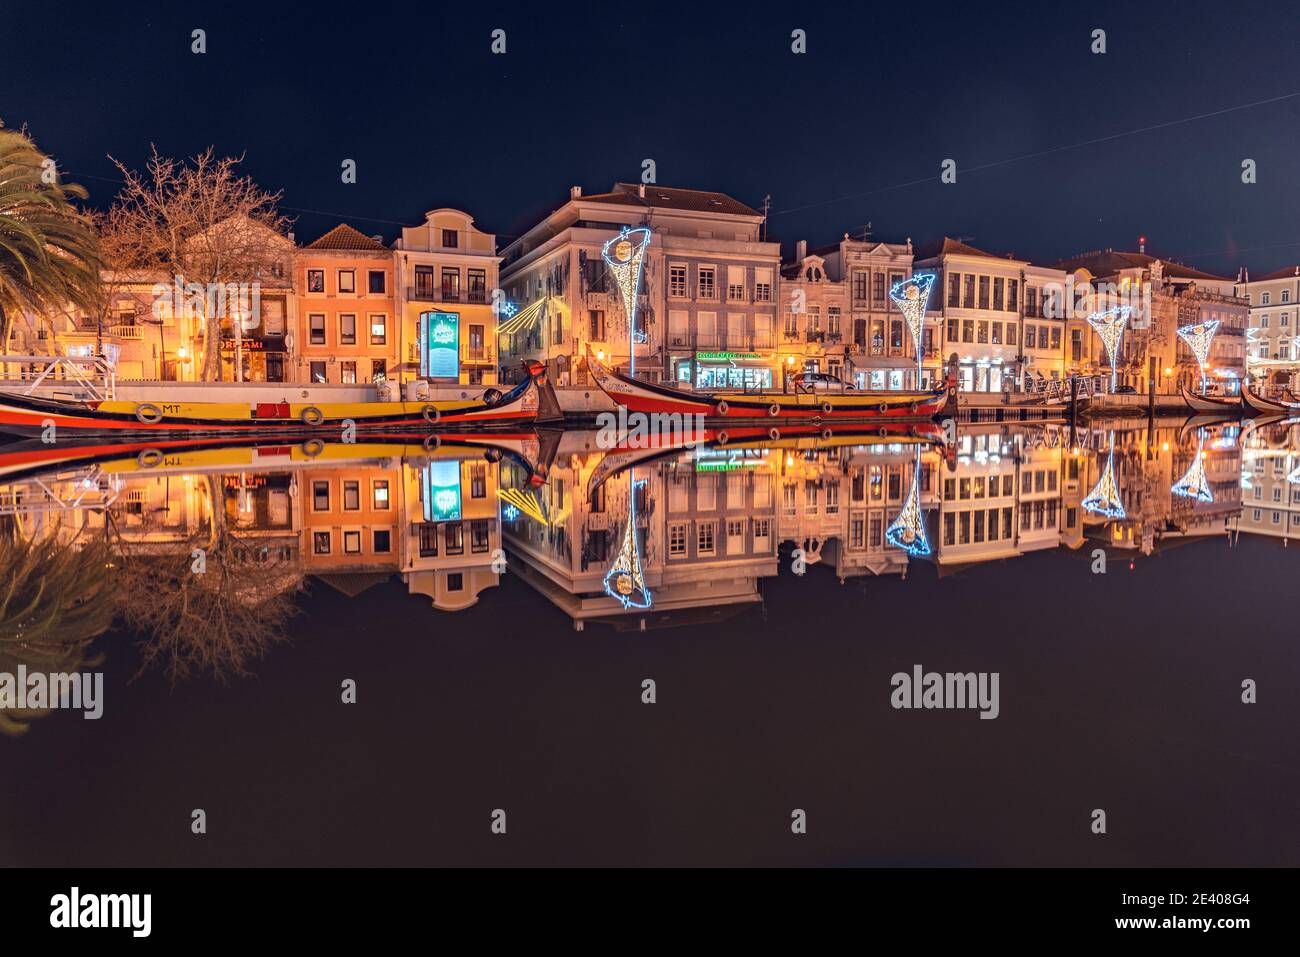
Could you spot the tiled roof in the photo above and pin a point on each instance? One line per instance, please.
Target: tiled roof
(668, 197)
(1290, 272)
(950, 247)
(1108, 262)
(344, 236)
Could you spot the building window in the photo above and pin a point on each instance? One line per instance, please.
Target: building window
(316, 323)
(378, 370)
(378, 330)
(708, 282)
(677, 281)
(379, 494)
(428, 540)
(352, 542)
(1011, 334)
(348, 372)
(878, 287)
(320, 543)
(318, 372)
(1013, 294)
(424, 282)
(998, 285)
(478, 535)
(984, 292)
(351, 496)
(382, 541)
(347, 329)
(450, 285)
(454, 538)
(378, 282)
(320, 496)
(450, 240)
(455, 581)
(762, 292)
(347, 281)
(596, 320)
(478, 481)
(315, 280)
(968, 330)
(704, 539)
(1265, 299)
(677, 540)
(968, 292)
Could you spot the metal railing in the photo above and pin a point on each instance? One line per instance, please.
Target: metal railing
(741, 341)
(91, 373)
(446, 294)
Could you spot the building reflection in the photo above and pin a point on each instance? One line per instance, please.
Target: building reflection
(643, 538)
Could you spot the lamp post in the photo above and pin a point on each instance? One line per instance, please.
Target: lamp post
(162, 348)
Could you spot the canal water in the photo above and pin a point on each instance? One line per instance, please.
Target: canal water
(387, 654)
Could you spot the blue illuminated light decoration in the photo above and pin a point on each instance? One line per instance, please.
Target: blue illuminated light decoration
(907, 531)
(625, 580)
(1104, 499)
(1194, 484)
(510, 513)
(911, 296)
(1198, 338)
(625, 257)
(1109, 326)
(516, 320)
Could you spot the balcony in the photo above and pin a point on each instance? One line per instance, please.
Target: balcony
(131, 333)
(446, 294)
(740, 342)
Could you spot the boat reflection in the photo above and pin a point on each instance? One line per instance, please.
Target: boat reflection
(207, 545)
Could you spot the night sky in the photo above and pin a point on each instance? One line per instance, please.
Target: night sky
(716, 97)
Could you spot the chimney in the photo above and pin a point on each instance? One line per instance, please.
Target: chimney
(575, 192)
(640, 190)
(800, 250)
(291, 239)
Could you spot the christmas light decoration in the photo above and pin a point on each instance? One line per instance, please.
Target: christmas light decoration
(1194, 484)
(625, 256)
(907, 531)
(625, 580)
(523, 319)
(1104, 499)
(1198, 338)
(911, 296)
(1109, 326)
(521, 501)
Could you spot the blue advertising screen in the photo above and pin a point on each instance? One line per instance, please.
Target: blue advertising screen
(442, 492)
(440, 345)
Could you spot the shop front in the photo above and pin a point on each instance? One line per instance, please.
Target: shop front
(260, 358)
(986, 375)
(725, 370)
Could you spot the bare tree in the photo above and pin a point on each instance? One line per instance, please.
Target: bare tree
(203, 222)
(216, 621)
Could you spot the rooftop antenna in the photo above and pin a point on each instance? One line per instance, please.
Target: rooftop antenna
(767, 204)
(866, 232)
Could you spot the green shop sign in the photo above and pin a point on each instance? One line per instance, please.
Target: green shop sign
(726, 356)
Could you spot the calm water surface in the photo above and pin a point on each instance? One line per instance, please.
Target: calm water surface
(500, 603)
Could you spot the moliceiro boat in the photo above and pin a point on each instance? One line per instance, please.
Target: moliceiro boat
(652, 397)
(1258, 405)
(528, 402)
(1222, 404)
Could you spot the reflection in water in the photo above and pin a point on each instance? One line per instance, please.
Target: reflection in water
(56, 597)
(201, 551)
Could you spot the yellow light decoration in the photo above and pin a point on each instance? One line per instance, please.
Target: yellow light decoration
(1198, 338)
(525, 318)
(1104, 499)
(1194, 484)
(1109, 326)
(911, 296)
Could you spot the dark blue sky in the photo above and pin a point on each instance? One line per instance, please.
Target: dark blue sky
(713, 94)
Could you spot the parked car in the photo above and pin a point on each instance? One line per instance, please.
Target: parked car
(1125, 390)
(820, 382)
